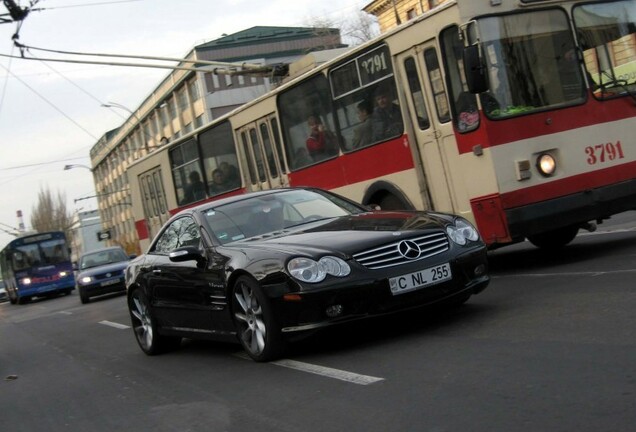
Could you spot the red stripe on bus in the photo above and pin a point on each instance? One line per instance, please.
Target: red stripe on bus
(368, 163)
(498, 132)
(142, 229)
(566, 186)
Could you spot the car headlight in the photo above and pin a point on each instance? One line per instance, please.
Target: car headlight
(86, 279)
(308, 270)
(462, 232)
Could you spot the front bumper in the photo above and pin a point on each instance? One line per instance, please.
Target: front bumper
(103, 287)
(365, 298)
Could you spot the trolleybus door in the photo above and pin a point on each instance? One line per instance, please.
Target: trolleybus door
(272, 148)
(430, 120)
(153, 195)
(261, 155)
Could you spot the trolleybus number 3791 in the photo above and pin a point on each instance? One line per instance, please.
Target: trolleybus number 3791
(604, 152)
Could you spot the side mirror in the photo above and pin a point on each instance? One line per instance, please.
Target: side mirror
(187, 253)
(475, 69)
(132, 257)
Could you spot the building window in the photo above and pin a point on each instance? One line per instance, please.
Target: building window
(194, 90)
(182, 99)
(410, 14)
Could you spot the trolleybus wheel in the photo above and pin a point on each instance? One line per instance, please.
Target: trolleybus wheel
(555, 239)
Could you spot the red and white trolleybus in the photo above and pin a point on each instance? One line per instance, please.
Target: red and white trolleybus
(516, 114)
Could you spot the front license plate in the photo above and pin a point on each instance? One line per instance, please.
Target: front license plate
(111, 282)
(420, 279)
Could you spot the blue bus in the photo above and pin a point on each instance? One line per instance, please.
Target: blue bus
(37, 265)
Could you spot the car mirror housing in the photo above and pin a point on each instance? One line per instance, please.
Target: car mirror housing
(187, 253)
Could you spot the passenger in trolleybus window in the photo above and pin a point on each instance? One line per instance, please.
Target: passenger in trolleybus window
(386, 117)
(230, 174)
(195, 189)
(219, 183)
(363, 133)
(321, 141)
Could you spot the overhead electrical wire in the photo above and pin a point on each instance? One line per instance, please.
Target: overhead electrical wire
(49, 103)
(221, 67)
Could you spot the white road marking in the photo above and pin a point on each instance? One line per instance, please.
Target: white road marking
(566, 274)
(114, 324)
(328, 372)
(321, 370)
(65, 313)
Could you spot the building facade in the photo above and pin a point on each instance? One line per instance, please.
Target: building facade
(391, 13)
(187, 99)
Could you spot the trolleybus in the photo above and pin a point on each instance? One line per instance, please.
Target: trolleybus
(516, 114)
(37, 265)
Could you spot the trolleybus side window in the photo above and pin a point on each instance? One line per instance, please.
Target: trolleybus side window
(258, 155)
(186, 172)
(269, 150)
(463, 103)
(437, 84)
(248, 157)
(308, 123)
(417, 96)
(365, 99)
(160, 191)
(220, 162)
(608, 41)
(279, 146)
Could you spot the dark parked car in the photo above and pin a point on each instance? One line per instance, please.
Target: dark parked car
(265, 266)
(101, 272)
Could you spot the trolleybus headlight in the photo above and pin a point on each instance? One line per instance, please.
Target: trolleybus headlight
(546, 164)
(462, 232)
(26, 281)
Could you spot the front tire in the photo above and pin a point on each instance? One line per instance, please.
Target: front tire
(256, 326)
(83, 297)
(145, 326)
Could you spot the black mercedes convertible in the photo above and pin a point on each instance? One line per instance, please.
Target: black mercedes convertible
(265, 266)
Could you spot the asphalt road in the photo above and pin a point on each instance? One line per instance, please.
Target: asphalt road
(549, 346)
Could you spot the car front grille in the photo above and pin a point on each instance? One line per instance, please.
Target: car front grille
(112, 274)
(392, 254)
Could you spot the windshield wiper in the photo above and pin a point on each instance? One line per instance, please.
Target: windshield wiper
(614, 82)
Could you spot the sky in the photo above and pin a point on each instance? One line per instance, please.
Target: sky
(51, 113)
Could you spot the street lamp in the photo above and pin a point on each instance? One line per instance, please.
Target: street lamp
(71, 166)
(110, 104)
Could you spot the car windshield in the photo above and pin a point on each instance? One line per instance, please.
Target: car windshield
(101, 258)
(263, 214)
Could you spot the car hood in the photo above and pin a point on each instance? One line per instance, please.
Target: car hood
(348, 234)
(108, 268)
